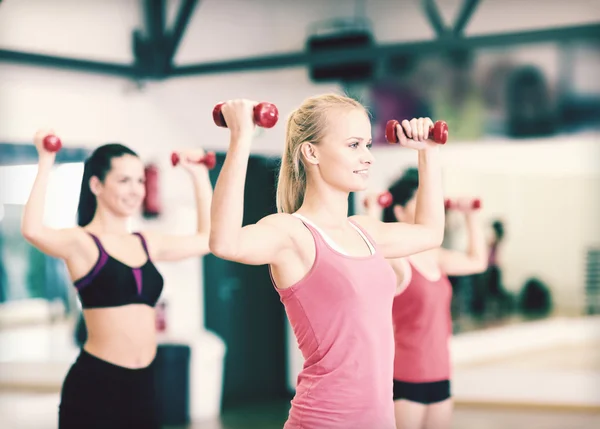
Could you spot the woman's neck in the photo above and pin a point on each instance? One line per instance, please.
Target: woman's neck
(106, 222)
(326, 206)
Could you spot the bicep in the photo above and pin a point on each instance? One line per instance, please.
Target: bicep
(176, 247)
(259, 244)
(58, 243)
(398, 239)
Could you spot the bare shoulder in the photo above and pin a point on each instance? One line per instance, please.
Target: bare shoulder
(284, 224)
(279, 220)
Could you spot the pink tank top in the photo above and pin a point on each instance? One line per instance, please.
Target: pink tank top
(341, 316)
(422, 328)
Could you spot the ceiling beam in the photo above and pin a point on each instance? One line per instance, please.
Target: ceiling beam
(303, 58)
(154, 14)
(75, 64)
(433, 15)
(150, 48)
(465, 14)
(383, 51)
(181, 22)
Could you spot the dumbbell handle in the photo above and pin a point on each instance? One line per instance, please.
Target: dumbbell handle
(265, 115)
(438, 132)
(210, 160)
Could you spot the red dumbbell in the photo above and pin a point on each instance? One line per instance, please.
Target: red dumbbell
(439, 132)
(52, 143)
(210, 160)
(474, 204)
(384, 200)
(265, 115)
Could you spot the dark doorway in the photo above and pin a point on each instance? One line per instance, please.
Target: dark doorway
(243, 308)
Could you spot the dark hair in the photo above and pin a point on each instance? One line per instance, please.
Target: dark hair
(402, 191)
(498, 227)
(98, 164)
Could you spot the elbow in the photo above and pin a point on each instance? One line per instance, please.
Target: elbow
(432, 239)
(28, 233)
(220, 248)
(433, 235)
(478, 265)
(434, 242)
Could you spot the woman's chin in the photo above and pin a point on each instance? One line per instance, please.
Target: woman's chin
(359, 186)
(128, 211)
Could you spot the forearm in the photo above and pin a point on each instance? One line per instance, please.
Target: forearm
(33, 212)
(203, 195)
(430, 202)
(476, 248)
(227, 209)
(372, 210)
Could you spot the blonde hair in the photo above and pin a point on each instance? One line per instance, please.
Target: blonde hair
(305, 124)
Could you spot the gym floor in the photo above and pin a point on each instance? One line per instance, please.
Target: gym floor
(272, 417)
(28, 409)
(38, 411)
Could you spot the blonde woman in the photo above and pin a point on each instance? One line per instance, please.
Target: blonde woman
(330, 270)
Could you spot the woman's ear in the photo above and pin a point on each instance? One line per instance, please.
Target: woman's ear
(308, 152)
(95, 185)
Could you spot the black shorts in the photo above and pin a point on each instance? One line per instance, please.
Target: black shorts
(423, 393)
(100, 395)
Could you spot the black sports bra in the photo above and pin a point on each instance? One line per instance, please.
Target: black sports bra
(111, 283)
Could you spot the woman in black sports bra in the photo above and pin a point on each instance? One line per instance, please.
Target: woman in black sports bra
(111, 384)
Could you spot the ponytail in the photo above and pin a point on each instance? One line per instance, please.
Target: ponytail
(86, 209)
(291, 184)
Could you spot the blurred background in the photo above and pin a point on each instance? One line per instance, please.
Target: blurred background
(518, 83)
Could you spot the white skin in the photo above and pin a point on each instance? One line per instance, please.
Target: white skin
(432, 263)
(125, 335)
(335, 167)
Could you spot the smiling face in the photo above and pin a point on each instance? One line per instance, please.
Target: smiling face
(123, 189)
(344, 155)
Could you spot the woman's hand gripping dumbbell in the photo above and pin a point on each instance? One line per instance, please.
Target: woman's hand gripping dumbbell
(209, 159)
(264, 115)
(48, 144)
(462, 204)
(437, 132)
(51, 142)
